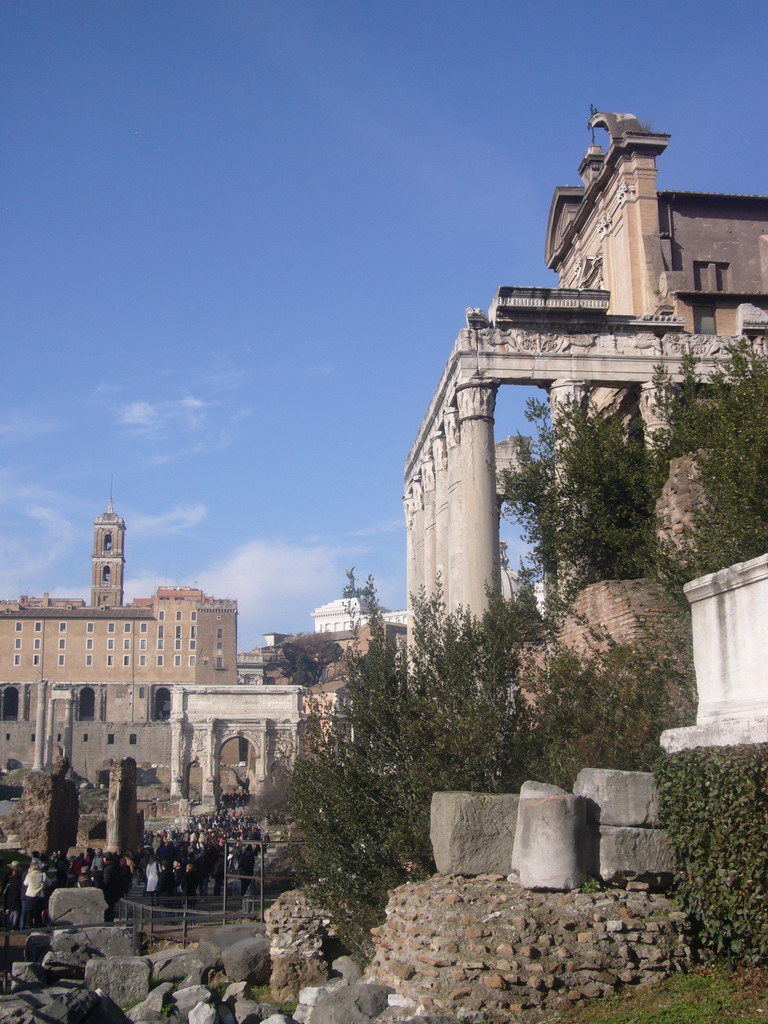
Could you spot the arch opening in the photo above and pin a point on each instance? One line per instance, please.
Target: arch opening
(10, 709)
(86, 705)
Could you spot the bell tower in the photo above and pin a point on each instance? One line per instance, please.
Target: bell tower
(108, 560)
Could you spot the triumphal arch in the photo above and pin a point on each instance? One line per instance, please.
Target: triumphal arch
(646, 278)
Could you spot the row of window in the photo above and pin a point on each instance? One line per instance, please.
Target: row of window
(111, 626)
(160, 660)
(86, 704)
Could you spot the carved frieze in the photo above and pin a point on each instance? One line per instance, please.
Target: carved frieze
(642, 343)
(476, 401)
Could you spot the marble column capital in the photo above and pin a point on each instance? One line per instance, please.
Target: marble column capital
(452, 428)
(476, 400)
(439, 453)
(428, 473)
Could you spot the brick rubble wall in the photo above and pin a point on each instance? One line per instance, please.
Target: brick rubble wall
(484, 944)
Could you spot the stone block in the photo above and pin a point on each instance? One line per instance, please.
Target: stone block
(618, 798)
(63, 1004)
(247, 960)
(203, 1013)
(125, 979)
(36, 946)
(237, 990)
(351, 1004)
(185, 999)
(473, 833)
(88, 942)
(277, 1018)
(528, 791)
(552, 842)
(214, 941)
(64, 965)
(347, 968)
(27, 973)
(77, 906)
(107, 1011)
(633, 853)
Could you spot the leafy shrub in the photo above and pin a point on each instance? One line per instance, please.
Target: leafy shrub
(714, 804)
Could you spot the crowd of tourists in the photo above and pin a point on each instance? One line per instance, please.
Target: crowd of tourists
(174, 866)
(26, 891)
(235, 798)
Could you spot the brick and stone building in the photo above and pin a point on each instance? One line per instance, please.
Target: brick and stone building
(155, 679)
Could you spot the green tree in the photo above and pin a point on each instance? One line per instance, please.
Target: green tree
(445, 714)
(723, 423)
(585, 495)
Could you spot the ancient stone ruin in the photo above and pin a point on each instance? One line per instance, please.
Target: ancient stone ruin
(125, 827)
(46, 817)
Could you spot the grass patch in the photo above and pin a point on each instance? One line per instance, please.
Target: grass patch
(705, 996)
(263, 994)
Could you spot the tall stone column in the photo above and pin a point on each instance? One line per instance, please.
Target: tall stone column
(476, 403)
(42, 700)
(440, 463)
(177, 743)
(414, 505)
(67, 704)
(452, 585)
(564, 394)
(650, 411)
(428, 486)
(208, 794)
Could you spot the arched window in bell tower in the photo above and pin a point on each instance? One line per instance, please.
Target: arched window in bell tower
(106, 575)
(107, 541)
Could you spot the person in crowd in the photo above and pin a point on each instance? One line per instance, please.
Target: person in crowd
(111, 885)
(12, 896)
(32, 898)
(152, 877)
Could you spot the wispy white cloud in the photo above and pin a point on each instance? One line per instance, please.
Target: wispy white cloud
(139, 414)
(176, 520)
(270, 580)
(154, 418)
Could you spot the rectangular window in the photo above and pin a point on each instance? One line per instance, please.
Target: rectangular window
(88, 660)
(142, 660)
(192, 661)
(161, 631)
(704, 320)
(62, 627)
(111, 738)
(178, 616)
(110, 627)
(126, 660)
(141, 693)
(110, 644)
(143, 627)
(193, 631)
(219, 634)
(35, 659)
(36, 643)
(89, 644)
(18, 627)
(126, 644)
(17, 659)
(160, 644)
(89, 627)
(193, 616)
(177, 660)
(178, 631)
(38, 627)
(85, 737)
(192, 644)
(126, 627)
(17, 643)
(143, 644)
(219, 663)
(159, 659)
(61, 659)
(132, 738)
(177, 645)
(110, 661)
(218, 645)
(62, 644)
(161, 615)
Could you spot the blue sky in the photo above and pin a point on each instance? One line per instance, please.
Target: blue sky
(240, 236)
